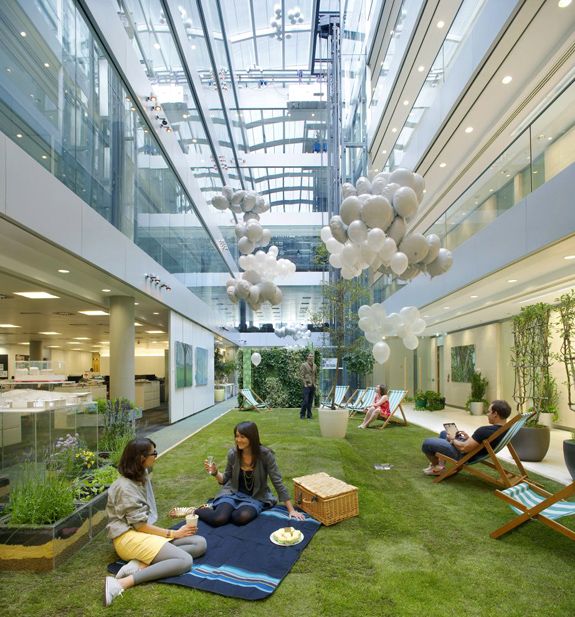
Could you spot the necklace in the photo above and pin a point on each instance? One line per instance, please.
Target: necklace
(248, 480)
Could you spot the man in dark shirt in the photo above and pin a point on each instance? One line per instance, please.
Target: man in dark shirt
(308, 375)
(462, 443)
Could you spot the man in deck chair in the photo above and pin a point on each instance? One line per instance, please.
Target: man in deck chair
(458, 446)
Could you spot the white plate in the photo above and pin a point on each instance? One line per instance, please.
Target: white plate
(280, 544)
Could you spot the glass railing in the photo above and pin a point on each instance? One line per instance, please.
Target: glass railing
(538, 154)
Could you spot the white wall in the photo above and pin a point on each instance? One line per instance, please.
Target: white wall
(188, 401)
(75, 362)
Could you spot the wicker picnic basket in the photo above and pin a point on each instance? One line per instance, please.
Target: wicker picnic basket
(327, 499)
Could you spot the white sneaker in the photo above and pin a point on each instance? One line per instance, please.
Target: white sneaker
(112, 589)
(130, 568)
(434, 470)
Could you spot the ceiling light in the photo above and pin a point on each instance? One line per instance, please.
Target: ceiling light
(8, 325)
(469, 129)
(81, 338)
(157, 46)
(64, 271)
(155, 313)
(53, 346)
(23, 343)
(384, 151)
(35, 295)
(507, 79)
(442, 164)
(421, 68)
(106, 290)
(136, 304)
(49, 333)
(446, 308)
(440, 23)
(137, 324)
(473, 296)
(155, 332)
(563, 3)
(512, 280)
(406, 102)
(93, 313)
(394, 130)
(105, 342)
(22, 33)
(19, 135)
(569, 257)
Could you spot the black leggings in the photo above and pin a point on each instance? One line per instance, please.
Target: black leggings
(225, 513)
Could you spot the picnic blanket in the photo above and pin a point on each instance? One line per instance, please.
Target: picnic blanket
(242, 562)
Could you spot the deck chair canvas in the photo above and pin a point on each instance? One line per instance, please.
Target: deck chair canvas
(504, 478)
(253, 400)
(395, 397)
(355, 398)
(340, 392)
(534, 503)
(363, 403)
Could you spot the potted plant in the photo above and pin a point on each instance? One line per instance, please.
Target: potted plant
(434, 401)
(566, 355)
(420, 400)
(531, 359)
(476, 402)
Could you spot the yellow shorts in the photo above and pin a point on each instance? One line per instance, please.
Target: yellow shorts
(137, 545)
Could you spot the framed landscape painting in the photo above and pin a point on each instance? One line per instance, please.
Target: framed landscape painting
(201, 366)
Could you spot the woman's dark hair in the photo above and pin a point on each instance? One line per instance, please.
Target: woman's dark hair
(382, 389)
(131, 463)
(249, 430)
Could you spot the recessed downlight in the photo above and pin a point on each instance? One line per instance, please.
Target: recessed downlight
(155, 332)
(106, 290)
(49, 333)
(474, 296)
(94, 313)
(440, 24)
(512, 280)
(469, 129)
(155, 313)
(64, 271)
(563, 3)
(8, 325)
(442, 165)
(569, 257)
(507, 80)
(420, 68)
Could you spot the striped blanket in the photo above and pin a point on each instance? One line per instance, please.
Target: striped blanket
(242, 562)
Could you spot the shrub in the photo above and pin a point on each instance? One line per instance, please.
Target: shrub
(93, 484)
(277, 396)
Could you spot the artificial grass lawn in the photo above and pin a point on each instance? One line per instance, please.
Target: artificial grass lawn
(417, 549)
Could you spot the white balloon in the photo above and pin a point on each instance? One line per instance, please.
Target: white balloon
(238, 197)
(245, 246)
(397, 229)
(363, 186)
(411, 341)
(243, 289)
(338, 228)
(405, 202)
(399, 263)
(433, 245)
(347, 273)
(240, 230)
(252, 276)
(220, 202)
(349, 254)
(333, 246)
(254, 295)
(389, 191)
(363, 311)
(325, 233)
(403, 177)
(254, 231)
(273, 250)
(256, 358)
(381, 352)
(418, 326)
(249, 201)
(378, 312)
(377, 212)
(375, 238)
(266, 237)
(409, 314)
(441, 264)
(249, 216)
(365, 323)
(348, 189)
(418, 186)
(349, 211)
(335, 260)
(415, 247)
(228, 192)
(373, 336)
(357, 231)
(388, 249)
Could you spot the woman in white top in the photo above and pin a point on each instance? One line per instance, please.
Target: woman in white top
(152, 552)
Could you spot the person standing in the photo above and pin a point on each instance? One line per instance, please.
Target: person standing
(308, 374)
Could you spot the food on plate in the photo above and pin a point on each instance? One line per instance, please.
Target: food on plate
(287, 535)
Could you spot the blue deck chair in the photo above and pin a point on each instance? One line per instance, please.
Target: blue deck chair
(504, 478)
(355, 397)
(363, 403)
(534, 503)
(395, 397)
(340, 392)
(253, 400)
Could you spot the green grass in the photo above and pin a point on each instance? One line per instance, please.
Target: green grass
(417, 549)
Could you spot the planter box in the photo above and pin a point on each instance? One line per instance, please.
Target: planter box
(333, 422)
(531, 443)
(42, 548)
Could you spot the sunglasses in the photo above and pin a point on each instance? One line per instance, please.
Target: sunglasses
(154, 453)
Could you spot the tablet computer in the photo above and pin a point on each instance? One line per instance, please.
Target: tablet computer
(451, 429)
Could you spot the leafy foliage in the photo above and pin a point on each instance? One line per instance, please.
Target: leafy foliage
(118, 425)
(40, 499)
(478, 389)
(90, 485)
(359, 361)
(566, 355)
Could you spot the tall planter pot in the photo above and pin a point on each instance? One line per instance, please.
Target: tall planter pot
(531, 443)
(40, 548)
(476, 408)
(569, 454)
(333, 422)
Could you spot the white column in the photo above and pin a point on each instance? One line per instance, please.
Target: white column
(122, 340)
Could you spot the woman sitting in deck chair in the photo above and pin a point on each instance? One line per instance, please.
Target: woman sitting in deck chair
(379, 409)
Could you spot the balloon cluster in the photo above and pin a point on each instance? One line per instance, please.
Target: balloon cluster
(376, 324)
(250, 233)
(256, 358)
(256, 284)
(299, 332)
(370, 230)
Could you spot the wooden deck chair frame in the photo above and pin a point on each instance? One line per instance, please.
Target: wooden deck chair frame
(395, 397)
(537, 512)
(364, 402)
(340, 392)
(355, 398)
(256, 402)
(504, 478)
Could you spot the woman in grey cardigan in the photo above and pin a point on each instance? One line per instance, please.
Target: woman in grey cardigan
(152, 552)
(245, 491)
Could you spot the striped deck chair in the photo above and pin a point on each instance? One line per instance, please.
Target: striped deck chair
(504, 478)
(395, 397)
(363, 403)
(533, 503)
(355, 398)
(252, 400)
(340, 392)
